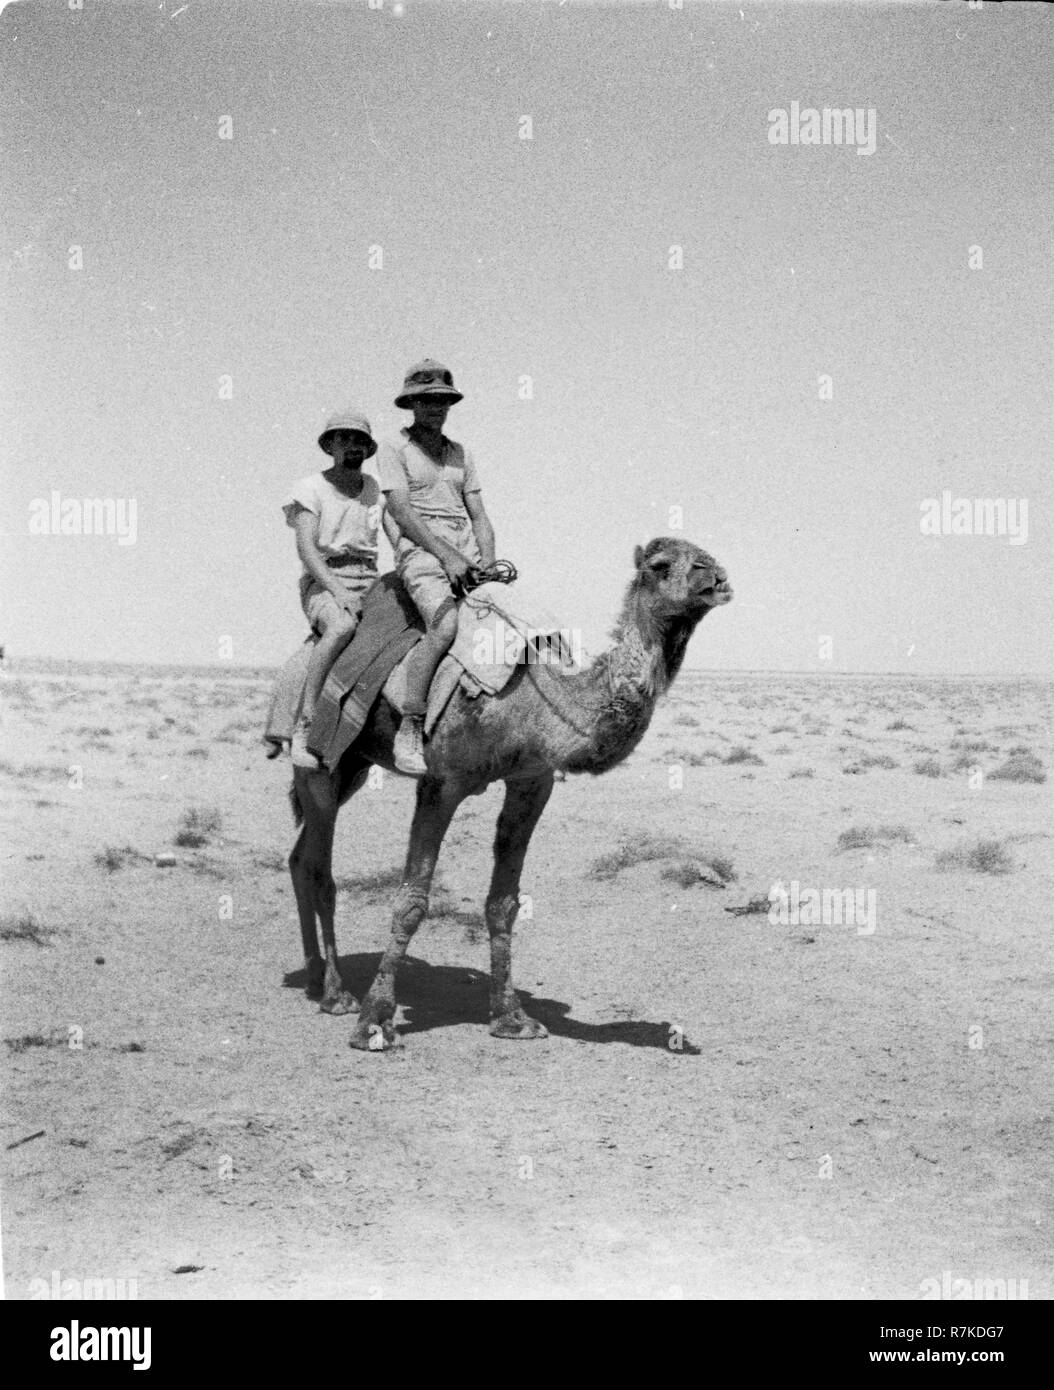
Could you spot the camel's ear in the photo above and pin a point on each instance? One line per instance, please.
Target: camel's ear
(638, 556)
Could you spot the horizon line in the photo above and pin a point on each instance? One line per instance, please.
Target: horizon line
(244, 668)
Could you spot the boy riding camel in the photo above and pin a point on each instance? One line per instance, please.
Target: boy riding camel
(335, 515)
(433, 496)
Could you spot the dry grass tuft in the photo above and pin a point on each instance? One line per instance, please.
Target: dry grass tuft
(111, 858)
(985, 857)
(198, 826)
(25, 927)
(1020, 767)
(929, 767)
(866, 836)
(742, 754)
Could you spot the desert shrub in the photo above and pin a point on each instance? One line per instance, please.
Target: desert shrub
(801, 772)
(46, 770)
(639, 850)
(25, 927)
(28, 1040)
(742, 754)
(856, 837)
(928, 767)
(702, 868)
(111, 858)
(645, 848)
(1020, 767)
(197, 827)
(865, 836)
(985, 857)
(692, 757)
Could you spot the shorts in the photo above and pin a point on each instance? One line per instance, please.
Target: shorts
(424, 577)
(321, 608)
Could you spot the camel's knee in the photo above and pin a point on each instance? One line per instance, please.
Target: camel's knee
(411, 908)
(500, 911)
(322, 885)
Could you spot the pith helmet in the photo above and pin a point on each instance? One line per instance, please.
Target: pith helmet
(348, 420)
(428, 378)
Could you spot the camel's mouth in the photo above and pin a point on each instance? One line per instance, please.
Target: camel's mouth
(716, 593)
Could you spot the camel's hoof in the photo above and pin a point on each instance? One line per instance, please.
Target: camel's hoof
(518, 1026)
(342, 1003)
(376, 1037)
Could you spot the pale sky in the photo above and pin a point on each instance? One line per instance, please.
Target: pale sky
(549, 258)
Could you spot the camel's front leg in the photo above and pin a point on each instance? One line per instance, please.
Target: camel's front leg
(436, 803)
(524, 804)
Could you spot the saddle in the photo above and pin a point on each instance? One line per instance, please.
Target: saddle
(490, 645)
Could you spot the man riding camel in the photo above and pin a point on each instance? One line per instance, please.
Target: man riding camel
(433, 496)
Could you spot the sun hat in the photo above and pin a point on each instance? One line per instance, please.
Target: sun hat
(347, 420)
(427, 378)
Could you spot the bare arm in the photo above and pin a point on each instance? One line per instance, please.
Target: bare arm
(481, 526)
(306, 530)
(413, 526)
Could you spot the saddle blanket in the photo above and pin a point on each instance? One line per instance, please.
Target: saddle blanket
(491, 643)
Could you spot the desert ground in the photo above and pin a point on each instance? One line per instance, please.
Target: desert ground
(727, 1106)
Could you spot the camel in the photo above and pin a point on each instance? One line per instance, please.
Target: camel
(546, 720)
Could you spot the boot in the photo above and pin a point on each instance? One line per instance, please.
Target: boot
(409, 746)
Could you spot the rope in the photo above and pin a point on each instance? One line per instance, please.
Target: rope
(500, 572)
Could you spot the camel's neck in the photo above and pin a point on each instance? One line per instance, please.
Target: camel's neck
(616, 697)
(648, 649)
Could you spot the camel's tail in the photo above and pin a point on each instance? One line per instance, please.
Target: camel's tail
(294, 802)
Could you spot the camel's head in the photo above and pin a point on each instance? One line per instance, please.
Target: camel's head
(679, 579)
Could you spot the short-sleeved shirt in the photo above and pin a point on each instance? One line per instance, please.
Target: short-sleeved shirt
(347, 526)
(436, 489)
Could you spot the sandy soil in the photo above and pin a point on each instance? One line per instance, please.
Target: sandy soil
(829, 1131)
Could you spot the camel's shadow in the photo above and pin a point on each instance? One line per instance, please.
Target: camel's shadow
(441, 996)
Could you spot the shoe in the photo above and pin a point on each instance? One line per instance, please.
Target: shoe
(301, 755)
(408, 747)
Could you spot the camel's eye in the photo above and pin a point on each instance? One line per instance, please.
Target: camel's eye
(659, 566)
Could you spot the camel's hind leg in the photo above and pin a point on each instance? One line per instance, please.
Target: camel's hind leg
(311, 868)
(436, 803)
(523, 806)
(305, 907)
